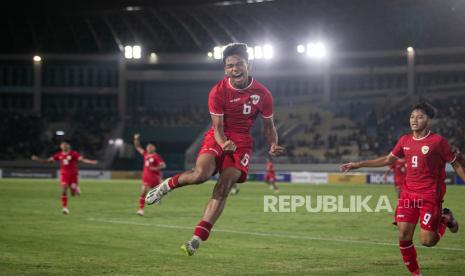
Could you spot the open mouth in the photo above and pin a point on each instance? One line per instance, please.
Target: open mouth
(238, 76)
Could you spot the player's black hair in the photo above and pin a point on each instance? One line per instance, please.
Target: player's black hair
(151, 142)
(67, 141)
(426, 108)
(239, 49)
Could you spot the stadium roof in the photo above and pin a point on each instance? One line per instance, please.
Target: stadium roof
(197, 26)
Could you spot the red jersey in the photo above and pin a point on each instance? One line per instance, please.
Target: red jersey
(426, 160)
(239, 107)
(68, 162)
(269, 167)
(151, 160)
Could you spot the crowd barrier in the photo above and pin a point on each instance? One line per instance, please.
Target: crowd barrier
(290, 177)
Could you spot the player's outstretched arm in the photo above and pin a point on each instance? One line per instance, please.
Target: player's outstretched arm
(137, 144)
(389, 169)
(378, 162)
(41, 160)
(272, 137)
(218, 127)
(158, 168)
(460, 157)
(459, 169)
(88, 161)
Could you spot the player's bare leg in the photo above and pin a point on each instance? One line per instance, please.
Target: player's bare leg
(274, 186)
(407, 249)
(215, 207)
(64, 199)
(75, 190)
(204, 168)
(144, 191)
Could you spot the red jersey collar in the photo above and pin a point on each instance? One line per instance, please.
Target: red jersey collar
(247, 87)
(419, 139)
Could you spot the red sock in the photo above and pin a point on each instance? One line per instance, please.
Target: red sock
(442, 228)
(409, 255)
(174, 181)
(64, 201)
(203, 230)
(141, 202)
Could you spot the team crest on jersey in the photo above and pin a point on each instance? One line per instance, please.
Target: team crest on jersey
(68, 157)
(255, 98)
(151, 160)
(424, 149)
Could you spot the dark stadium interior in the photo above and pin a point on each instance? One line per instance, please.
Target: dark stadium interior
(197, 26)
(353, 112)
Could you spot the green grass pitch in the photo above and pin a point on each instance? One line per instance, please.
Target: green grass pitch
(104, 236)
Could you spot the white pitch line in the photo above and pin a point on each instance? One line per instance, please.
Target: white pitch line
(285, 236)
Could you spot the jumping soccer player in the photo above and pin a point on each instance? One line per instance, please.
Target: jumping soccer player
(426, 154)
(68, 171)
(399, 169)
(234, 103)
(270, 177)
(153, 164)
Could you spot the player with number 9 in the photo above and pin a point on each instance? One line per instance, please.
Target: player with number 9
(426, 155)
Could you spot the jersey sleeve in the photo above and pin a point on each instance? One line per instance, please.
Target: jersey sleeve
(398, 150)
(267, 109)
(446, 152)
(216, 101)
(56, 156)
(76, 155)
(160, 159)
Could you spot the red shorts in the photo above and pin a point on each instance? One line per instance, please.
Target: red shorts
(411, 207)
(270, 177)
(68, 180)
(151, 182)
(238, 159)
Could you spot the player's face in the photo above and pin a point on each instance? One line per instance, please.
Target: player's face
(237, 69)
(418, 120)
(150, 148)
(65, 146)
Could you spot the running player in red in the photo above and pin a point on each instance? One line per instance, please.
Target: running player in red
(270, 177)
(153, 164)
(399, 169)
(426, 154)
(234, 103)
(68, 171)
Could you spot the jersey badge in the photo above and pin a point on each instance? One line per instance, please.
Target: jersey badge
(255, 99)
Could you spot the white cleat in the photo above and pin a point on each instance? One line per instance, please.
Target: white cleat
(140, 212)
(65, 211)
(156, 194)
(190, 247)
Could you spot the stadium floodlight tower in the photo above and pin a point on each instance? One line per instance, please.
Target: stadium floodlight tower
(313, 50)
(264, 51)
(132, 52)
(316, 50)
(118, 142)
